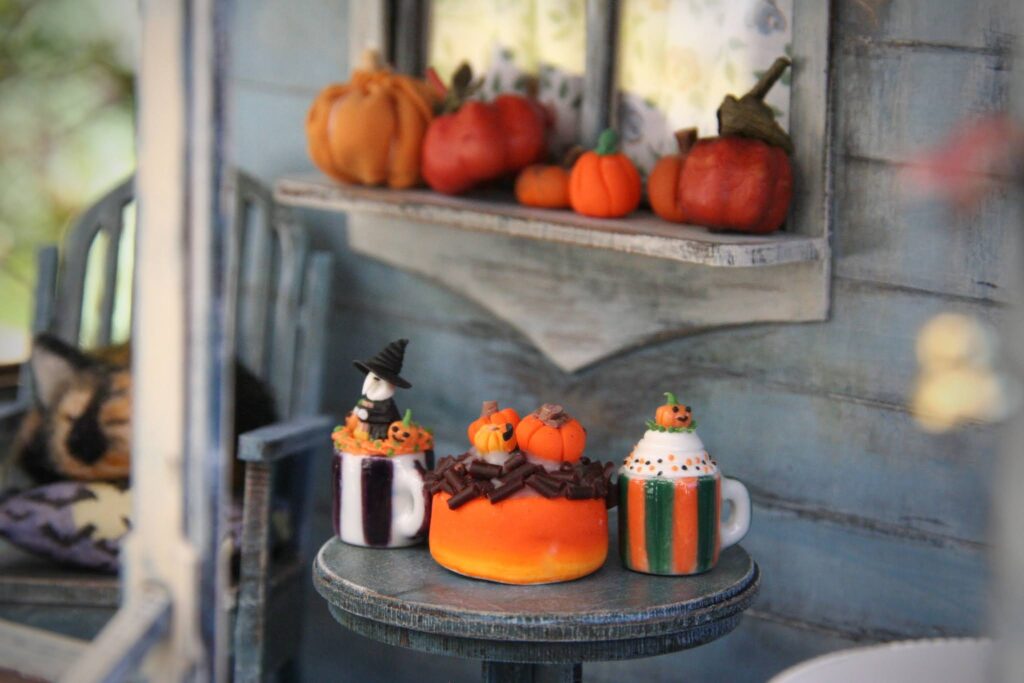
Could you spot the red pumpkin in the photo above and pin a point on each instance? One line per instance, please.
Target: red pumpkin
(726, 183)
(741, 181)
(490, 415)
(481, 141)
(550, 433)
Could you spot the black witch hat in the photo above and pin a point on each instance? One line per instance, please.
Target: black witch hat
(387, 364)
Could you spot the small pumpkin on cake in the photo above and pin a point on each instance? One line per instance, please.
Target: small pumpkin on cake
(523, 505)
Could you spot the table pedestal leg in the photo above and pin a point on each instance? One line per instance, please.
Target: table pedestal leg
(508, 672)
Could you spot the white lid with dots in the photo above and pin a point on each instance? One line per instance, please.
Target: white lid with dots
(669, 455)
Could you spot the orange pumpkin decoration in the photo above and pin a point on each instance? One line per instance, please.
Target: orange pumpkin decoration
(604, 183)
(550, 433)
(406, 436)
(370, 130)
(489, 414)
(671, 415)
(543, 186)
(493, 437)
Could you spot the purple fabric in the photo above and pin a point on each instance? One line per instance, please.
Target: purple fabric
(42, 521)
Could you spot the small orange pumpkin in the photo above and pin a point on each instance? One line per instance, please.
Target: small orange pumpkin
(489, 414)
(370, 130)
(604, 183)
(552, 434)
(543, 186)
(406, 436)
(494, 437)
(671, 415)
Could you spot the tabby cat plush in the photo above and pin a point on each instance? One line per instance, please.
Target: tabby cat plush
(80, 426)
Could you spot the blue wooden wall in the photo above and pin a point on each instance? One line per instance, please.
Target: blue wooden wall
(866, 528)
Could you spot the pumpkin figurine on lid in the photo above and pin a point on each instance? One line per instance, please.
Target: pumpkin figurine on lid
(741, 180)
(670, 499)
(522, 505)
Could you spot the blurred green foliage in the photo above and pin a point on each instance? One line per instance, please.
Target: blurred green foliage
(66, 131)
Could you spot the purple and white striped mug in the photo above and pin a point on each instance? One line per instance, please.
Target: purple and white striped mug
(379, 500)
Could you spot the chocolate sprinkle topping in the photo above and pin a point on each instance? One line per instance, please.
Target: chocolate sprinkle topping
(479, 469)
(505, 490)
(466, 479)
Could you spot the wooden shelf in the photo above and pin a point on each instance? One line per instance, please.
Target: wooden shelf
(642, 233)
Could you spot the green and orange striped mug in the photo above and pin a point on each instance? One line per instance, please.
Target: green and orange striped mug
(672, 525)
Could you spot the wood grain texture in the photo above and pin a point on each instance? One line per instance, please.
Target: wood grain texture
(900, 101)
(36, 653)
(579, 307)
(641, 233)
(892, 234)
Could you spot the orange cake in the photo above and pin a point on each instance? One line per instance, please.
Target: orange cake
(523, 505)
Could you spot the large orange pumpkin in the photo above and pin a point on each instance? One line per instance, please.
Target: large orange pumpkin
(370, 130)
(604, 183)
(552, 434)
(490, 414)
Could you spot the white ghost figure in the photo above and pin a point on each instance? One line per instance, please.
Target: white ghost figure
(375, 388)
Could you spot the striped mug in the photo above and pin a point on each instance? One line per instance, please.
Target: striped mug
(379, 500)
(673, 526)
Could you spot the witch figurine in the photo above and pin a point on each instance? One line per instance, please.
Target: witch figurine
(376, 408)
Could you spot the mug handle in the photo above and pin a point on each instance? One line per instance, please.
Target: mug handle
(736, 527)
(410, 478)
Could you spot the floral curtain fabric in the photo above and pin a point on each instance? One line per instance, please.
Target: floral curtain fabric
(677, 59)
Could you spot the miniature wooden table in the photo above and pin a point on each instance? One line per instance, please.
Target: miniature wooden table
(530, 633)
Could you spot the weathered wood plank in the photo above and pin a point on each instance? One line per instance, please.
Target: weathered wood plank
(36, 653)
(598, 109)
(642, 233)
(864, 353)
(889, 235)
(281, 112)
(284, 439)
(293, 246)
(579, 307)
(123, 644)
(866, 586)
(965, 24)
(298, 45)
(253, 231)
(896, 102)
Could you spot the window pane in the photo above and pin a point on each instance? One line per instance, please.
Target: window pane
(679, 58)
(507, 41)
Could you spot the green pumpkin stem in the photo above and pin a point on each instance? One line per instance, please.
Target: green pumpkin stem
(407, 420)
(607, 143)
(671, 399)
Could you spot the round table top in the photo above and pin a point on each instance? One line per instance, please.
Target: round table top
(401, 596)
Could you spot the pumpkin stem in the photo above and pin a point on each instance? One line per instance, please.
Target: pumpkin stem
(750, 117)
(371, 60)
(607, 143)
(489, 408)
(572, 155)
(768, 78)
(670, 399)
(552, 415)
(407, 420)
(685, 139)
